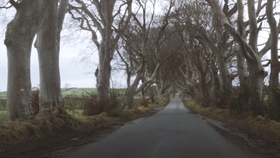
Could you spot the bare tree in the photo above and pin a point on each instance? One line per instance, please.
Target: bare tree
(150, 40)
(20, 34)
(99, 16)
(201, 53)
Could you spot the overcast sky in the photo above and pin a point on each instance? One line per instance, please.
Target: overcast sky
(74, 46)
(72, 70)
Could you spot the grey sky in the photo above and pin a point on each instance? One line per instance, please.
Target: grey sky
(71, 69)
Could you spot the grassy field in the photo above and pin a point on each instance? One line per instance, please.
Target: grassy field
(64, 92)
(3, 95)
(77, 91)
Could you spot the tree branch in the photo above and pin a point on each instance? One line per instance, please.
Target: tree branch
(15, 4)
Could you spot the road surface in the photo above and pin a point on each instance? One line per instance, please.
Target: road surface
(172, 133)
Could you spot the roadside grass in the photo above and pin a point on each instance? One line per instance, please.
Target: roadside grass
(2, 115)
(260, 126)
(14, 132)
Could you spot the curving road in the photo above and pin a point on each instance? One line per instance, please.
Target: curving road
(171, 133)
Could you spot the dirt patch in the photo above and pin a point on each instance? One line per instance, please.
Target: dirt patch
(59, 144)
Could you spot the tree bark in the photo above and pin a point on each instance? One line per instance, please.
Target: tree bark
(274, 91)
(256, 71)
(19, 37)
(224, 73)
(256, 89)
(48, 46)
(215, 82)
(105, 51)
(203, 89)
(241, 63)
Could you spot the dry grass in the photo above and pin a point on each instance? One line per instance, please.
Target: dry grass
(13, 132)
(2, 115)
(268, 129)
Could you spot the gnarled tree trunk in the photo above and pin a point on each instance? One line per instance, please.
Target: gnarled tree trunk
(105, 51)
(256, 78)
(19, 37)
(274, 91)
(48, 45)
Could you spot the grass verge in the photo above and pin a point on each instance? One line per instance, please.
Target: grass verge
(2, 115)
(19, 131)
(267, 129)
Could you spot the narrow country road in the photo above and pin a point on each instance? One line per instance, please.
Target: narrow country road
(172, 133)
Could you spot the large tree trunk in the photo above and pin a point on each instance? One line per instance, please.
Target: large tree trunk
(131, 90)
(105, 56)
(243, 80)
(224, 74)
(204, 90)
(274, 92)
(19, 37)
(256, 88)
(48, 45)
(256, 72)
(216, 83)
(225, 83)
(243, 98)
(129, 96)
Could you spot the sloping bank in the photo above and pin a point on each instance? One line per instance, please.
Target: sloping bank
(263, 134)
(20, 131)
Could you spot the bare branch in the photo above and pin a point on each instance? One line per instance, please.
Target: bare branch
(14, 4)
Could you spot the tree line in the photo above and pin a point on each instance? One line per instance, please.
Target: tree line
(207, 49)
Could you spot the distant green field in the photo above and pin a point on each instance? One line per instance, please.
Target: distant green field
(77, 91)
(73, 91)
(3, 95)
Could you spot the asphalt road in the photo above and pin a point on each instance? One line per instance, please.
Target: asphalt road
(172, 133)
